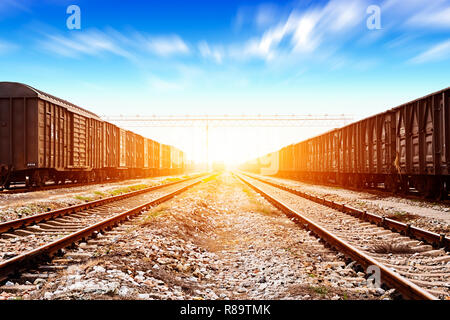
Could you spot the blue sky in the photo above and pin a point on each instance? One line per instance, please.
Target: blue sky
(228, 57)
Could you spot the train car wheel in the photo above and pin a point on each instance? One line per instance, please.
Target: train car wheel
(404, 186)
(419, 184)
(37, 180)
(27, 182)
(389, 184)
(431, 191)
(442, 193)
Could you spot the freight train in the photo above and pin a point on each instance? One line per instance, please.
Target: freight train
(402, 149)
(44, 138)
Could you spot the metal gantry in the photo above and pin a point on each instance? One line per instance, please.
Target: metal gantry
(208, 121)
(309, 120)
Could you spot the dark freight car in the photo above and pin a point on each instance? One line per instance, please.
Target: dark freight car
(43, 136)
(401, 149)
(46, 138)
(139, 156)
(112, 150)
(156, 166)
(165, 159)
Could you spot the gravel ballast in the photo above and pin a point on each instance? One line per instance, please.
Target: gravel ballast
(219, 240)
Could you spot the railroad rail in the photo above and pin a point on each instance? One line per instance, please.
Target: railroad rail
(82, 223)
(26, 189)
(435, 239)
(350, 236)
(41, 217)
(411, 193)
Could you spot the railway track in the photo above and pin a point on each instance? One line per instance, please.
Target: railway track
(379, 191)
(24, 189)
(414, 269)
(435, 239)
(39, 237)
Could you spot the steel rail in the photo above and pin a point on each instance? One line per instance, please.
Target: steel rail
(22, 262)
(40, 217)
(408, 289)
(435, 239)
(66, 185)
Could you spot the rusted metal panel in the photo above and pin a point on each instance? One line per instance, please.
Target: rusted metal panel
(123, 148)
(40, 131)
(177, 158)
(174, 157)
(446, 136)
(18, 141)
(147, 152)
(131, 149)
(296, 156)
(79, 141)
(139, 151)
(156, 155)
(421, 135)
(112, 149)
(165, 156)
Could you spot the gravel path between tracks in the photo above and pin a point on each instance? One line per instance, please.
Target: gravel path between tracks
(220, 240)
(20, 205)
(424, 214)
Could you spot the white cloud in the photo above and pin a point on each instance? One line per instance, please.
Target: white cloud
(440, 51)
(162, 85)
(10, 5)
(265, 15)
(6, 47)
(417, 13)
(215, 53)
(92, 43)
(306, 30)
(166, 46)
(436, 17)
(96, 43)
(303, 39)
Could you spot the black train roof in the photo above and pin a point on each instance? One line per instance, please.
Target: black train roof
(20, 90)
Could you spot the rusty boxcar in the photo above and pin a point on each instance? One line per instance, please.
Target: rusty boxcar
(44, 138)
(404, 148)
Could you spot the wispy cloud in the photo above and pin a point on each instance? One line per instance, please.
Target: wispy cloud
(7, 47)
(303, 31)
(440, 51)
(92, 43)
(7, 5)
(418, 13)
(162, 85)
(437, 17)
(215, 53)
(97, 43)
(166, 46)
(331, 28)
(276, 35)
(266, 15)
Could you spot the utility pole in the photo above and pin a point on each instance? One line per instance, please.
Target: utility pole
(207, 144)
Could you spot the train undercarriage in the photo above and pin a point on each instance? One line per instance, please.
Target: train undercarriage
(40, 177)
(428, 186)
